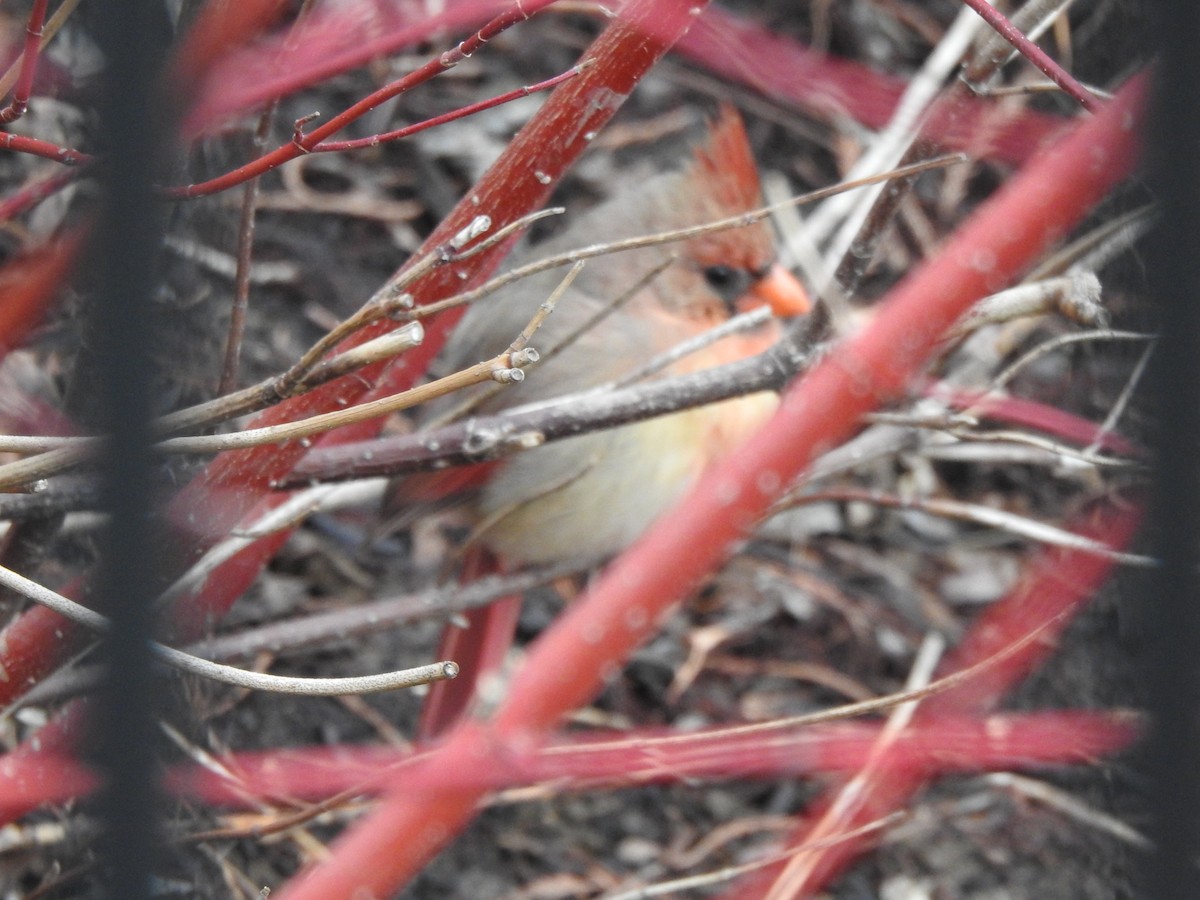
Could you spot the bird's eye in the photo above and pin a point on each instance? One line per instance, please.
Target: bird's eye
(720, 278)
(727, 282)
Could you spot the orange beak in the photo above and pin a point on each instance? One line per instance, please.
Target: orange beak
(780, 290)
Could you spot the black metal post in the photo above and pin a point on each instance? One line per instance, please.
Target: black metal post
(1174, 604)
(126, 241)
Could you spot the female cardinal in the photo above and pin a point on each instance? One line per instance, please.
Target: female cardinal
(589, 496)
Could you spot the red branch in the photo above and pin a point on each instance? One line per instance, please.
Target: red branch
(29, 60)
(589, 762)
(33, 194)
(1032, 414)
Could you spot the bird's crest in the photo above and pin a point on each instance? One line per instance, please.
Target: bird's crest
(726, 163)
(725, 183)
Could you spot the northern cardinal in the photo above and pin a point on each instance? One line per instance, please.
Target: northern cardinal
(590, 496)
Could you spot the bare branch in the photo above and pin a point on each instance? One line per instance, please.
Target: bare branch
(491, 437)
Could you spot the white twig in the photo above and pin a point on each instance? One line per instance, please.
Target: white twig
(1114, 415)
(258, 681)
(1069, 806)
(1042, 349)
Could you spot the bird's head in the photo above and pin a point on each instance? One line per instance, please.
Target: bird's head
(735, 269)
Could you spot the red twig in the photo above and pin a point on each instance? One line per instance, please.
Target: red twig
(460, 113)
(952, 743)
(29, 60)
(36, 147)
(1031, 414)
(1034, 54)
(307, 143)
(329, 42)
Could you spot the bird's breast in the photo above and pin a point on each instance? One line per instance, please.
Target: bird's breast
(591, 496)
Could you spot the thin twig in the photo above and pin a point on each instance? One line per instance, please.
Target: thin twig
(504, 366)
(1118, 408)
(460, 113)
(392, 301)
(1060, 801)
(245, 256)
(1103, 334)
(977, 514)
(863, 219)
(728, 873)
